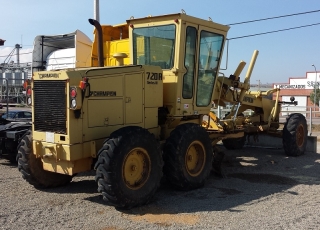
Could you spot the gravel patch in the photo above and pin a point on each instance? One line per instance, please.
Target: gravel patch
(260, 189)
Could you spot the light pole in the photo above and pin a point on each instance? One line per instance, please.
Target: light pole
(315, 90)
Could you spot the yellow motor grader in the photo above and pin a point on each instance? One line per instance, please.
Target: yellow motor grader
(144, 109)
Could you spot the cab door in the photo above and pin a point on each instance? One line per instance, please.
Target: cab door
(210, 45)
(189, 68)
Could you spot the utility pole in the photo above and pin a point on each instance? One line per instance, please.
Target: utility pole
(258, 84)
(315, 91)
(96, 11)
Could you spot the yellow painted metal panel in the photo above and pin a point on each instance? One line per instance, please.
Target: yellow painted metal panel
(150, 117)
(120, 46)
(133, 98)
(106, 82)
(62, 152)
(105, 112)
(153, 86)
(67, 167)
(110, 33)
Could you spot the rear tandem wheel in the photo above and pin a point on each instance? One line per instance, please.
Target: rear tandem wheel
(188, 156)
(129, 167)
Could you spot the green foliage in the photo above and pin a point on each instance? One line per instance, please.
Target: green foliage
(315, 97)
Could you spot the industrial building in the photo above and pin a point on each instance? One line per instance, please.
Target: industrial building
(300, 89)
(13, 75)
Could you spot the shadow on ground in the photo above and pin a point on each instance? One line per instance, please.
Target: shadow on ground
(249, 175)
(9, 164)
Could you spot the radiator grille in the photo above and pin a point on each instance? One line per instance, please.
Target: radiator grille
(50, 106)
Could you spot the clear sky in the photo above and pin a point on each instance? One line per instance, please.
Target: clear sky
(282, 55)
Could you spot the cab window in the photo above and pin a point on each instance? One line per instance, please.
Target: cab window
(209, 58)
(154, 45)
(189, 62)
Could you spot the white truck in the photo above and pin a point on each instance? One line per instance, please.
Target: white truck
(51, 52)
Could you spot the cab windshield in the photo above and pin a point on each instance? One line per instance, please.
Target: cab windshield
(154, 45)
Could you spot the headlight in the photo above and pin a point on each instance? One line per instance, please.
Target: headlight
(73, 103)
(75, 98)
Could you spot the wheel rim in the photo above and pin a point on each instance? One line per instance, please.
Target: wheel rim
(136, 168)
(300, 135)
(195, 158)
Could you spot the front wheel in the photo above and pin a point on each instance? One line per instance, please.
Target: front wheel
(188, 157)
(295, 135)
(129, 168)
(32, 170)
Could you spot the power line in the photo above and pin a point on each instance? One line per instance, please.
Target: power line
(275, 31)
(244, 22)
(282, 16)
(16, 54)
(15, 46)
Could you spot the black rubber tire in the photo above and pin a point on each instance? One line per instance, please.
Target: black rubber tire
(177, 153)
(234, 143)
(111, 168)
(295, 133)
(32, 170)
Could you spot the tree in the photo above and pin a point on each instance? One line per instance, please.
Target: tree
(315, 97)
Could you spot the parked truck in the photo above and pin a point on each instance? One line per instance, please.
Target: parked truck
(143, 109)
(11, 132)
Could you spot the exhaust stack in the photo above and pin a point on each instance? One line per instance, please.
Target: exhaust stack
(97, 25)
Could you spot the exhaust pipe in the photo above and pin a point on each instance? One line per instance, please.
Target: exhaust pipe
(97, 25)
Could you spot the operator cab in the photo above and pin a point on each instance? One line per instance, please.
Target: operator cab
(188, 50)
